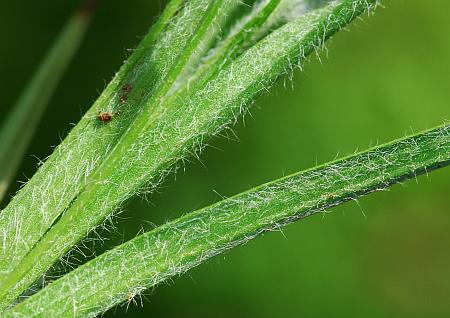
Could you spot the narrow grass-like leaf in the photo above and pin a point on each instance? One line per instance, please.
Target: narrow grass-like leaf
(19, 127)
(172, 249)
(146, 141)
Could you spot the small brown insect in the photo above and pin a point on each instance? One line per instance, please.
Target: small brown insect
(106, 117)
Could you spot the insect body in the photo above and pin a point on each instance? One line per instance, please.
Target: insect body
(106, 117)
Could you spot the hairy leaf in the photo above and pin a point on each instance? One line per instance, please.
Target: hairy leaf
(172, 249)
(100, 165)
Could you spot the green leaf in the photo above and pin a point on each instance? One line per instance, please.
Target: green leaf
(100, 165)
(21, 124)
(172, 249)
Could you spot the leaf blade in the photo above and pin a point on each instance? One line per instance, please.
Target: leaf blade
(177, 246)
(179, 130)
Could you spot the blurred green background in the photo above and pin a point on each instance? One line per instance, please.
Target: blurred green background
(387, 255)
